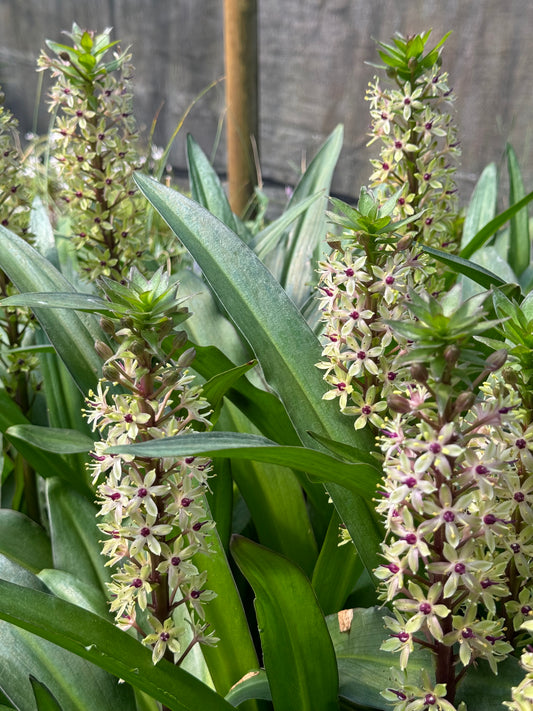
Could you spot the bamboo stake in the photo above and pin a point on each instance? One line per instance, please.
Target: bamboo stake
(240, 54)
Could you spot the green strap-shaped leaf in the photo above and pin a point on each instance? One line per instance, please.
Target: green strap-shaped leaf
(68, 333)
(358, 477)
(23, 541)
(308, 236)
(519, 244)
(206, 187)
(460, 265)
(493, 226)
(297, 651)
(93, 638)
(44, 698)
(279, 336)
(482, 206)
(51, 439)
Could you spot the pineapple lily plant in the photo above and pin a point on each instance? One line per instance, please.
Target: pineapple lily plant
(251, 489)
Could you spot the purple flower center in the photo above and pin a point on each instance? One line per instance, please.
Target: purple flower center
(128, 418)
(425, 608)
(411, 539)
(428, 126)
(487, 583)
(197, 526)
(393, 568)
(349, 272)
(515, 547)
(164, 636)
(407, 101)
(354, 315)
(115, 496)
(525, 609)
(435, 448)
(189, 460)
(142, 492)
(385, 166)
(137, 583)
(519, 496)
(175, 560)
(427, 176)
(467, 633)
(521, 443)
(459, 568)
(366, 410)
(195, 594)
(361, 355)
(430, 699)
(410, 482)
(391, 375)
(186, 502)
(341, 386)
(404, 637)
(489, 519)
(145, 531)
(389, 280)
(398, 144)
(448, 516)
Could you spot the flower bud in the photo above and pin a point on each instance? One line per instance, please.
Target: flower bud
(107, 326)
(397, 403)
(419, 372)
(404, 243)
(463, 402)
(103, 350)
(496, 359)
(186, 358)
(451, 354)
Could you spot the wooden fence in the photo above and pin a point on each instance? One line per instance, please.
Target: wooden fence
(312, 73)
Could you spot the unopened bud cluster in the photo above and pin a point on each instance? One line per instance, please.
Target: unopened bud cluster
(154, 513)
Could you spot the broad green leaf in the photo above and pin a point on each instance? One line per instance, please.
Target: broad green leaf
(294, 635)
(217, 387)
(44, 698)
(206, 187)
(60, 300)
(70, 588)
(338, 563)
(42, 231)
(93, 638)
(482, 690)
(275, 499)
(357, 477)
(519, 242)
(268, 238)
(365, 670)
(51, 439)
(75, 683)
(234, 655)
(75, 535)
(68, 333)
(23, 541)
(282, 341)
(482, 206)
(47, 464)
(490, 228)
(262, 408)
(252, 686)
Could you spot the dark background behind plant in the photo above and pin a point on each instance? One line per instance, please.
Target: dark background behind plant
(311, 67)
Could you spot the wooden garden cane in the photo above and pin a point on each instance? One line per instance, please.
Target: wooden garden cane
(240, 56)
